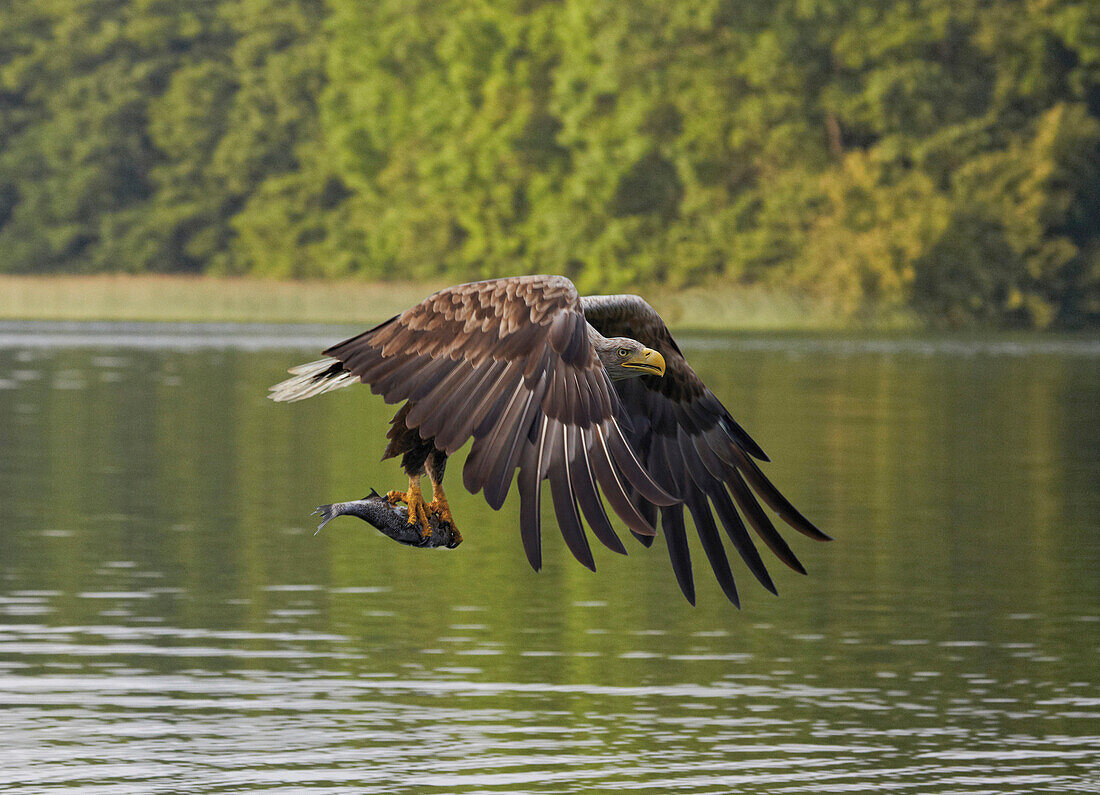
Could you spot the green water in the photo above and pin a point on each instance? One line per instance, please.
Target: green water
(170, 623)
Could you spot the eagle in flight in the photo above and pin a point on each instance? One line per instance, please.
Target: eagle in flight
(590, 393)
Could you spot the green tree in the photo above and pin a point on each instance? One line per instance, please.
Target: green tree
(938, 155)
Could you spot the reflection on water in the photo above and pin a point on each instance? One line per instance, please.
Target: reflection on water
(169, 622)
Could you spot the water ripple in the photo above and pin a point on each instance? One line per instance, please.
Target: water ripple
(386, 734)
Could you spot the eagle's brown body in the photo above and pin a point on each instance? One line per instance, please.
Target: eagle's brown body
(591, 394)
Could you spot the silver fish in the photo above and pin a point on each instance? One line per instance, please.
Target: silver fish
(390, 520)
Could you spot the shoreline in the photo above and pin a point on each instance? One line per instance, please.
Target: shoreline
(126, 297)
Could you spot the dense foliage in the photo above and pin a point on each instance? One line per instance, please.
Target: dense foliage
(933, 154)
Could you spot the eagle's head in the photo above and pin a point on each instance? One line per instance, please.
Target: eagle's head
(623, 357)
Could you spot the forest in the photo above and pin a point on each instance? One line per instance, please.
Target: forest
(941, 156)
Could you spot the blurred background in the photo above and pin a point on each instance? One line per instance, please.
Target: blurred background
(885, 161)
(875, 229)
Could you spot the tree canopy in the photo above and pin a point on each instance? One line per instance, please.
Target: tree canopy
(933, 154)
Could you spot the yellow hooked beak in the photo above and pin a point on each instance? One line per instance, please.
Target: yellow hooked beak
(647, 360)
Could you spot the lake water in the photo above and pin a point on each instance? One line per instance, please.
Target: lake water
(169, 622)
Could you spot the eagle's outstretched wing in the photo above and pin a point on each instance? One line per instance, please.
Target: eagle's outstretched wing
(509, 363)
(695, 450)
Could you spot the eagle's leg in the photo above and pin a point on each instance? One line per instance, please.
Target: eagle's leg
(416, 451)
(435, 466)
(415, 500)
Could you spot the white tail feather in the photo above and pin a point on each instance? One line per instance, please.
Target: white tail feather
(309, 380)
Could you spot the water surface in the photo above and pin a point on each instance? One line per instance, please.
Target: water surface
(169, 622)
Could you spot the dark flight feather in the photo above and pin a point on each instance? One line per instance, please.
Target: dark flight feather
(672, 522)
(588, 497)
(565, 503)
(530, 513)
(696, 451)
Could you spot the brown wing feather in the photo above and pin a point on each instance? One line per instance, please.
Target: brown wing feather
(695, 450)
(509, 363)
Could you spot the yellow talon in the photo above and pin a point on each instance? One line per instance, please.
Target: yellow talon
(440, 508)
(415, 501)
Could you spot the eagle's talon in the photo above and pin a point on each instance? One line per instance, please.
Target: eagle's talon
(440, 508)
(417, 507)
(420, 516)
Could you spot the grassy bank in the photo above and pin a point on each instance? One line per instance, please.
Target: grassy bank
(201, 299)
(206, 299)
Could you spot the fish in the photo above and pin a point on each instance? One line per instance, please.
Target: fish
(392, 521)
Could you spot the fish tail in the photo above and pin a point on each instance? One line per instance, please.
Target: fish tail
(327, 514)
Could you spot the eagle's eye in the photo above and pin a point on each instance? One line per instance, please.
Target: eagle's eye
(624, 352)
